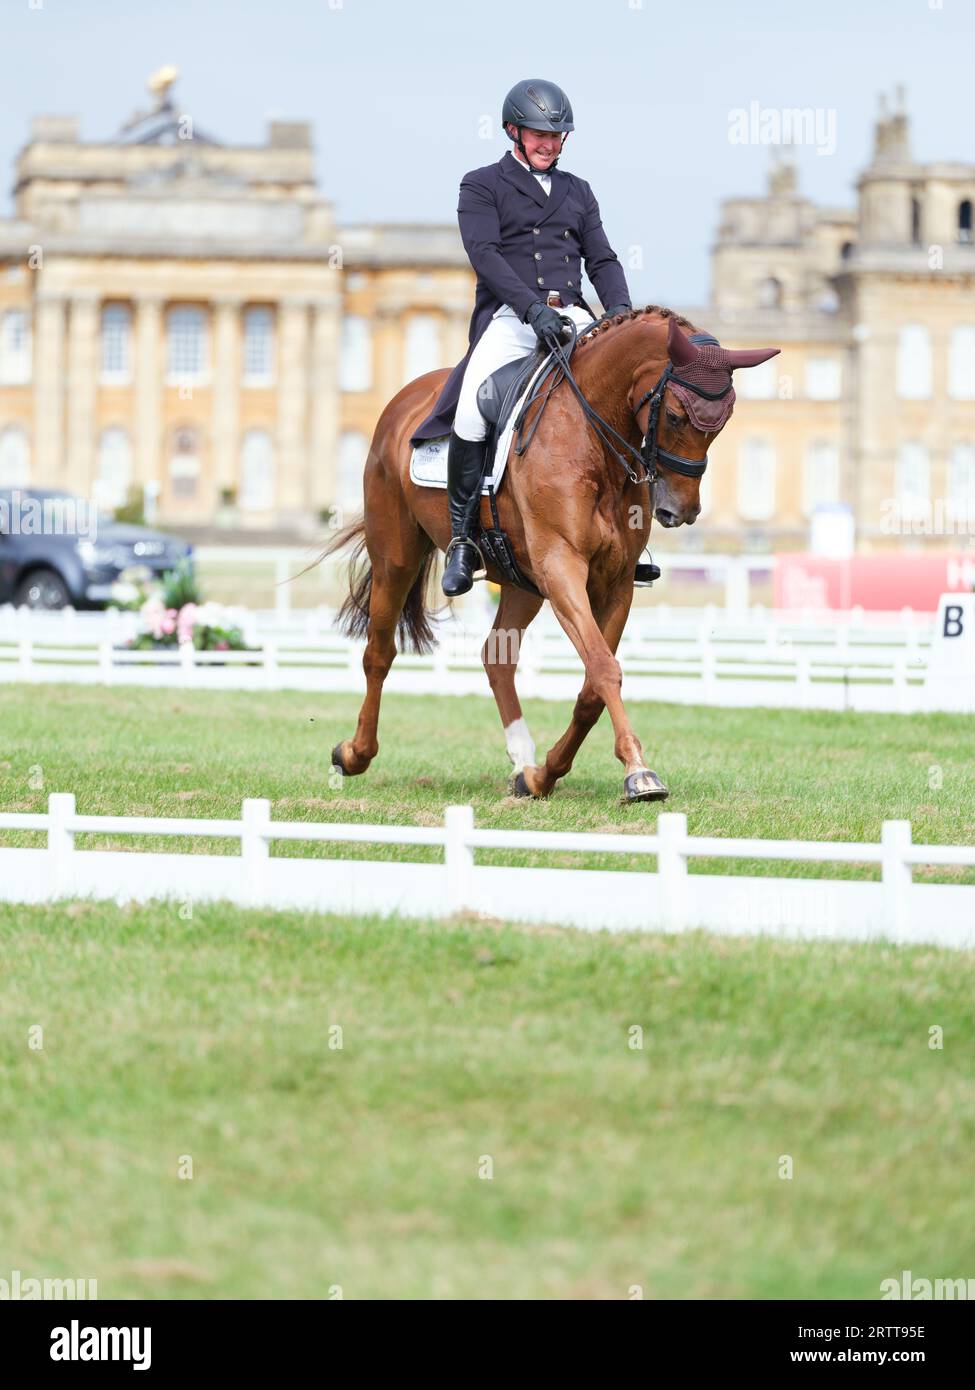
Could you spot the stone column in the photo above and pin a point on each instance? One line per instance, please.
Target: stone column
(48, 468)
(83, 343)
(326, 403)
(292, 449)
(148, 390)
(227, 366)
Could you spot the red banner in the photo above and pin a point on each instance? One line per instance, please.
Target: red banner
(882, 583)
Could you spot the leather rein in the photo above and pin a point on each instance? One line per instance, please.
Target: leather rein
(650, 454)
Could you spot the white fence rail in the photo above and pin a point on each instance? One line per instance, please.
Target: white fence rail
(696, 658)
(668, 898)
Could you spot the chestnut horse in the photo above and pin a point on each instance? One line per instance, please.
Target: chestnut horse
(576, 521)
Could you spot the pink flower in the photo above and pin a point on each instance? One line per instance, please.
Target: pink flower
(185, 622)
(153, 615)
(168, 622)
(223, 645)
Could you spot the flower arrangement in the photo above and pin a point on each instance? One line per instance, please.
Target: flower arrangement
(174, 615)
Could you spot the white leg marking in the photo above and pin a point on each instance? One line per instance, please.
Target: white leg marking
(521, 745)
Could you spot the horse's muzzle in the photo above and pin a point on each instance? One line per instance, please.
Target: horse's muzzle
(686, 517)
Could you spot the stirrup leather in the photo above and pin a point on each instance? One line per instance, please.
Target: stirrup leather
(466, 540)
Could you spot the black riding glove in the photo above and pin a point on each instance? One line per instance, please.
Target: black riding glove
(546, 321)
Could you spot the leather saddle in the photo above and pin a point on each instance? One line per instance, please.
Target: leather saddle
(499, 392)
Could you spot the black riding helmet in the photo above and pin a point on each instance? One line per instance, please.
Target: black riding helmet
(539, 105)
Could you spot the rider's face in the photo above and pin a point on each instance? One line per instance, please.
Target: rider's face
(541, 146)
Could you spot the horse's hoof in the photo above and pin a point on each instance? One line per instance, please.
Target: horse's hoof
(517, 786)
(643, 786)
(337, 759)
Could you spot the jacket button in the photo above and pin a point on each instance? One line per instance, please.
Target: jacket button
(540, 280)
(566, 259)
(570, 282)
(566, 232)
(538, 256)
(537, 231)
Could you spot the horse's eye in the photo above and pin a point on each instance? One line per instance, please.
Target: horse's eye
(675, 420)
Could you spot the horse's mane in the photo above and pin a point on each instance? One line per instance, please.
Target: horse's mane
(612, 324)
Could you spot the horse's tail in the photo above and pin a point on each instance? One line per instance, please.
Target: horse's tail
(414, 630)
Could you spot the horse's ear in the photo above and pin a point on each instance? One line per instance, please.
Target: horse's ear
(749, 357)
(681, 351)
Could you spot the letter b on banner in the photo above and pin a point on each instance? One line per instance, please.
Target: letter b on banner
(950, 682)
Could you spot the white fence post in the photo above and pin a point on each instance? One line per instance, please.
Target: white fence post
(709, 675)
(60, 842)
(105, 662)
(458, 856)
(736, 587)
(270, 659)
(895, 837)
(803, 674)
(24, 663)
(255, 847)
(672, 867)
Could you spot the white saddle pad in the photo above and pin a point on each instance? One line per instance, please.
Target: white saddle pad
(428, 463)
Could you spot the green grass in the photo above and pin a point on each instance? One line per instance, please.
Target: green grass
(315, 1167)
(782, 774)
(612, 1166)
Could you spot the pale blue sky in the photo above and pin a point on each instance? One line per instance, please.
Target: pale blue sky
(395, 92)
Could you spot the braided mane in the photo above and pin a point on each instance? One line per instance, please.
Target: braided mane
(655, 309)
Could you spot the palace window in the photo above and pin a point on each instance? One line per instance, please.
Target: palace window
(116, 343)
(114, 469)
(823, 378)
(355, 368)
(257, 472)
(14, 457)
(756, 480)
(961, 481)
(965, 221)
(184, 464)
(913, 480)
(258, 346)
(423, 350)
(914, 363)
(757, 383)
(770, 293)
(961, 363)
(820, 475)
(15, 348)
(186, 344)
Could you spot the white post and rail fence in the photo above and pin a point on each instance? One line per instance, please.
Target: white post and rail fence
(666, 897)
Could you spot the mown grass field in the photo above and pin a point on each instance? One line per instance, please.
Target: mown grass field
(315, 1166)
(613, 1165)
(763, 773)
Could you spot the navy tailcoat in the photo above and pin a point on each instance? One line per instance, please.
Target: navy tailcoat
(523, 243)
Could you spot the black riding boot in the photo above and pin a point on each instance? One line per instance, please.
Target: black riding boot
(465, 462)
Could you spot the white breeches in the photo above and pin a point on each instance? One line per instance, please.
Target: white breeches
(505, 339)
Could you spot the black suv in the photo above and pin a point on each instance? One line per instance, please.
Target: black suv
(56, 550)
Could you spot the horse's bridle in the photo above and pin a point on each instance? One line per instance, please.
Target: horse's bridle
(651, 450)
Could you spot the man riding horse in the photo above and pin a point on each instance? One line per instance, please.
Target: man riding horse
(527, 228)
(619, 440)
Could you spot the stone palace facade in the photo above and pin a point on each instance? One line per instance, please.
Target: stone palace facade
(185, 321)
